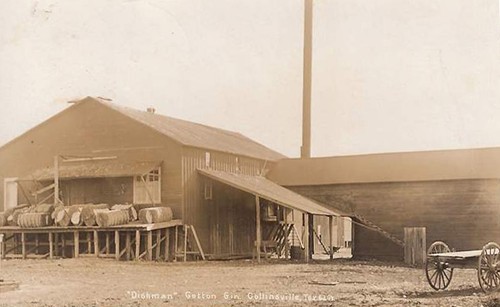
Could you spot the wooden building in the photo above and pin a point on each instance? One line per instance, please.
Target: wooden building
(455, 194)
(99, 152)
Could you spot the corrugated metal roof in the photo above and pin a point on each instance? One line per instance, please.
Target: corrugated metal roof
(483, 163)
(197, 135)
(95, 169)
(269, 190)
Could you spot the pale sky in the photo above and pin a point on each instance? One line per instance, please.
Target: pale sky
(388, 75)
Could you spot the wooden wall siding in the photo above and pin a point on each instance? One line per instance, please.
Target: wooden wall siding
(232, 221)
(463, 213)
(92, 129)
(196, 210)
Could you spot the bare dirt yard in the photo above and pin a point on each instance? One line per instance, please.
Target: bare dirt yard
(98, 282)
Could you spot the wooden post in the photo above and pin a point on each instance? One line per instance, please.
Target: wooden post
(330, 229)
(150, 246)
(77, 244)
(176, 242)
(127, 245)
(23, 244)
(56, 180)
(96, 243)
(415, 245)
(307, 245)
(107, 242)
(287, 234)
(158, 244)
(55, 242)
(257, 227)
(185, 241)
(167, 244)
(37, 243)
(63, 245)
(137, 245)
(3, 238)
(117, 245)
(51, 246)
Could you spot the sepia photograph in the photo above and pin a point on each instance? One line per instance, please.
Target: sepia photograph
(249, 153)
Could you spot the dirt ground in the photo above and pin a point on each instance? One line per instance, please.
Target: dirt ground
(99, 282)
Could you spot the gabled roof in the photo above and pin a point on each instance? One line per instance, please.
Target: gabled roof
(196, 135)
(269, 190)
(483, 163)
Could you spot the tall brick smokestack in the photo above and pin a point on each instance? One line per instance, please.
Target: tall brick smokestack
(305, 151)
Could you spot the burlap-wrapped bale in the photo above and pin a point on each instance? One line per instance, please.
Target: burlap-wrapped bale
(33, 220)
(88, 214)
(155, 215)
(111, 218)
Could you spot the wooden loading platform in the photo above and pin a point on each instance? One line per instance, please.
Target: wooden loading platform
(133, 241)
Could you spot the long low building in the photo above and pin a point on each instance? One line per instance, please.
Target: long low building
(455, 194)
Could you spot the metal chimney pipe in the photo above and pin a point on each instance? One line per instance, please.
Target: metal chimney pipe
(305, 151)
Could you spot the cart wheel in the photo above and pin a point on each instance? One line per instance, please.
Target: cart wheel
(437, 271)
(488, 271)
(438, 247)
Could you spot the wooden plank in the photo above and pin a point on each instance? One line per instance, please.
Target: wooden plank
(76, 240)
(137, 245)
(257, 227)
(158, 245)
(96, 243)
(195, 235)
(117, 245)
(45, 189)
(127, 245)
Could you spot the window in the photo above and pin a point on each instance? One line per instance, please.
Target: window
(147, 188)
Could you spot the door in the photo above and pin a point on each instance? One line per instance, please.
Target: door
(10, 193)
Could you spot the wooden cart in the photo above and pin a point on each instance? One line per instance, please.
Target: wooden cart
(441, 261)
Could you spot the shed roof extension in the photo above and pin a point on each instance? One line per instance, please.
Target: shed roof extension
(197, 135)
(269, 190)
(95, 169)
(483, 163)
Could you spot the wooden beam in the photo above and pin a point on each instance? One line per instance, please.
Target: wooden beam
(158, 245)
(45, 189)
(107, 243)
(258, 234)
(150, 246)
(176, 242)
(307, 245)
(51, 245)
(23, 244)
(127, 245)
(96, 243)
(117, 245)
(195, 235)
(330, 228)
(185, 241)
(76, 239)
(287, 233)
(137, 245)
(167, 244)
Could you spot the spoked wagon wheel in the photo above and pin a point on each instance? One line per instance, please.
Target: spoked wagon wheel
(438, 272)
(488, 271)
